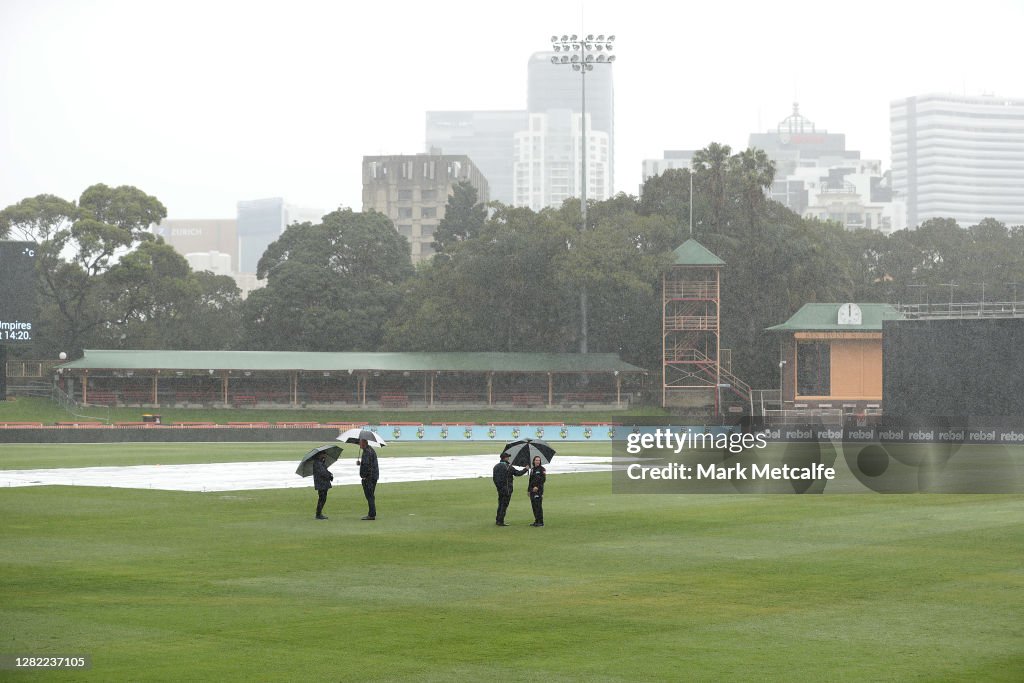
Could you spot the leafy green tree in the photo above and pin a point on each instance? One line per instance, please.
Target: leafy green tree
(668, 195)
(499, 291)
(463, 218)
(77, 245)
(155, 301)
(330, 286)
(620, 259)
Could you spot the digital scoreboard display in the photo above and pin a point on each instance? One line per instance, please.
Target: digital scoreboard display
(17, 292)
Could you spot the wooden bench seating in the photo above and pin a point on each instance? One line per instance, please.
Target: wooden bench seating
(102, 398)
(459, 397)
(586, 397)
(394, 400)
(188, 396)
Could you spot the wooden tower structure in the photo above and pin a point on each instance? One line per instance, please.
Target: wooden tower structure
(692, 375)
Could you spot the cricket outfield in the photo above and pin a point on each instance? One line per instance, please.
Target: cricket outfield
(243, 584)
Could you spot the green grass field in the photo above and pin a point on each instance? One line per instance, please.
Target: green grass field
(159, 585)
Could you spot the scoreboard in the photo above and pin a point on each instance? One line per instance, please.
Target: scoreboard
(17, 292)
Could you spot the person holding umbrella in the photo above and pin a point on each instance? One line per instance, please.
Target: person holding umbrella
(322, 479)
(502, 476)
(369, 473)
(536, 490)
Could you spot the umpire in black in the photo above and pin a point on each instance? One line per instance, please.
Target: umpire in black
(322, 479)
(538, 476)
(369, 473)
(503, 473)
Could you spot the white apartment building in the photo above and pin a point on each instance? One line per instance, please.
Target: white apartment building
(549, 159)
(959, 157)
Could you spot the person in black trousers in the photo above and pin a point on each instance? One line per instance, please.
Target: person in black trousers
(536, 490)
(322, 479)
(369, 473)
(502, 476)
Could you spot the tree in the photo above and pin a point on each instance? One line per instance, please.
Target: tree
(77, 246)
(753, 173)
(155, 301)
(620, 259)
(330, 286)
(499, 291)
(711, 165)
(668, 195)
(463, 218)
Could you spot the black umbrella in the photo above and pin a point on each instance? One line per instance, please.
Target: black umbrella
(521, 451)
(305, 468)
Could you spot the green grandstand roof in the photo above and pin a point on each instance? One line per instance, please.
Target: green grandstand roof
(693, 253)
(824, 318)
(319, 361)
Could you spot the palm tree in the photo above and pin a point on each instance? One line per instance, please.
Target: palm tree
(711, 165)
(754, 172)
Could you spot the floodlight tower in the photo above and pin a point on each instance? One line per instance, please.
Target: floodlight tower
(582, 54)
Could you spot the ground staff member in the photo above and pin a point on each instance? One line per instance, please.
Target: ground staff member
(502, 476)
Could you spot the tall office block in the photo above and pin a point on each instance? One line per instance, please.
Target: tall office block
(556, 86)
(552, 87)
(511, 150)
(959, 157)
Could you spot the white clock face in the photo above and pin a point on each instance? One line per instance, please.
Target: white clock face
(849, 314)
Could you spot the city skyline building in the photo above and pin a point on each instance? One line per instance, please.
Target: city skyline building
(816, 176)
(958, 156)
(261, 221)
(412, 190)
(516, 171)
(549, 157)
(198, 235)
(486, 137)
(801, 151)
(556, 87)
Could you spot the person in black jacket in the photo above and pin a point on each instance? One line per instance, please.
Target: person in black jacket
(369, 473)
(536, 490)
(502, 476)
(322, 479)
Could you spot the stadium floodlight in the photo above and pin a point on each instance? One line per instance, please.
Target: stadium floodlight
(582, 65)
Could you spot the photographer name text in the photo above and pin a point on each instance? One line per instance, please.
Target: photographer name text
(735, 472)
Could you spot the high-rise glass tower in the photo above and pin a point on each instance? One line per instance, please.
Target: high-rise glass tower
(554, 86)
(528, 155)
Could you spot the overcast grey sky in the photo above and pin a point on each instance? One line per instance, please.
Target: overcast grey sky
(205, 103)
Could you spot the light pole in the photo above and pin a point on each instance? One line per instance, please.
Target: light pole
(582, 59)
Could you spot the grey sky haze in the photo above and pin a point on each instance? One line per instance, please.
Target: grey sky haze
(203, 104)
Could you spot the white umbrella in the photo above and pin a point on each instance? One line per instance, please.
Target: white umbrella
(355, 435)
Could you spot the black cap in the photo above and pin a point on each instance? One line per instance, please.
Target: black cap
(503, 455)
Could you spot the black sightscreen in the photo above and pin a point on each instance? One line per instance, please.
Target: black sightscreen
(17, 292)
(959, 367)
